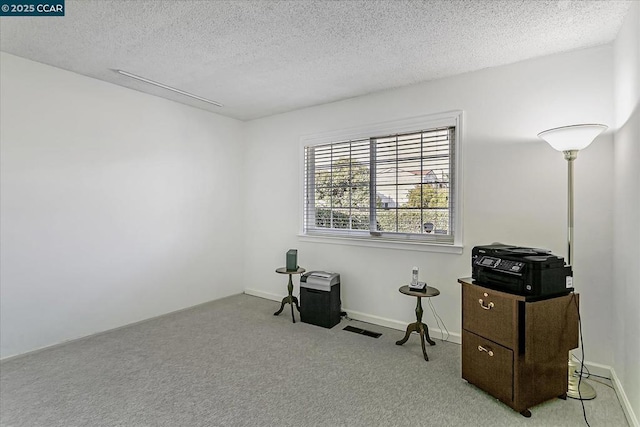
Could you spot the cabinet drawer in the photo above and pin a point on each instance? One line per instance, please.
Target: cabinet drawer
(488, 366)
(490, 315)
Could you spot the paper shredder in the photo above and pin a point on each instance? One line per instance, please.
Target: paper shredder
(320, 298)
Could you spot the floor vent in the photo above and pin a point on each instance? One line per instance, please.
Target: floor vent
(362, 331)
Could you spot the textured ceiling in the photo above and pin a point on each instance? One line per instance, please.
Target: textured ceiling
(260, 58)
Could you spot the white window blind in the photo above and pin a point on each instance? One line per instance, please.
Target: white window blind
(398, 186)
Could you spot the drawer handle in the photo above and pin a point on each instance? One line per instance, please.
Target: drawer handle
(487, 350)
(486, 307)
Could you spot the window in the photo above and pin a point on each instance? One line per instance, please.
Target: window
(397, 182)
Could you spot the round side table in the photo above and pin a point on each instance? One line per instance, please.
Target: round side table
(289, 299)
(418, 326)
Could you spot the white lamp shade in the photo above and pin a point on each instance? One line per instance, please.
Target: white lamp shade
(575, 137)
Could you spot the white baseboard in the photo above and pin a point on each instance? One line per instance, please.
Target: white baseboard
(608, 372)
(265, 295)
(435, 333)
(596, 368)
(98, 333)
(624, 400)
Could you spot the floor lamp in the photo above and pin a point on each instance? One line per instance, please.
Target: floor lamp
(570, 140)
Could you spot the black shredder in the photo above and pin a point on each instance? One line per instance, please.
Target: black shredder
(320, 298)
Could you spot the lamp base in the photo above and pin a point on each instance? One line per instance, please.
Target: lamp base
(578, 389)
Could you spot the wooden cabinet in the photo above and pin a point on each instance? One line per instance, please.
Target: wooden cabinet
(514, 349)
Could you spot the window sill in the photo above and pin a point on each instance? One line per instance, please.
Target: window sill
(382, 243)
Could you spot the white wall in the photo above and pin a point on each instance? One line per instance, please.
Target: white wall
(116, 206)
(514, 187)
(626, 316)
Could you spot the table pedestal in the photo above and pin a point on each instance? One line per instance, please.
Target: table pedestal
(418, 326)
(289, 299)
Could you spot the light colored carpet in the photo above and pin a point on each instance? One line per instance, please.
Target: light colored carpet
(232, 363)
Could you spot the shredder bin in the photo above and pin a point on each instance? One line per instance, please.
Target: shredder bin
(320, 299)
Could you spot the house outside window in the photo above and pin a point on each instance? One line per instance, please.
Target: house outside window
(394, 182)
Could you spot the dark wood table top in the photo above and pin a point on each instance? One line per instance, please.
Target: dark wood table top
(283, 270)
(428, 292)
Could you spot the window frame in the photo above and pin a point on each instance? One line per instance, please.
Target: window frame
(389, 240)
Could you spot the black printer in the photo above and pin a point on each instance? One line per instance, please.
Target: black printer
(531, 272)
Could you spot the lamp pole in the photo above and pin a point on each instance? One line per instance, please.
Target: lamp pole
(577, 389)
(570, 156)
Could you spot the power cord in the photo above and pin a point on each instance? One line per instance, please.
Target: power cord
(591, 376)
(438, 321)
(342, 312)
(601, 382)
(584, 412)
(588, 375)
